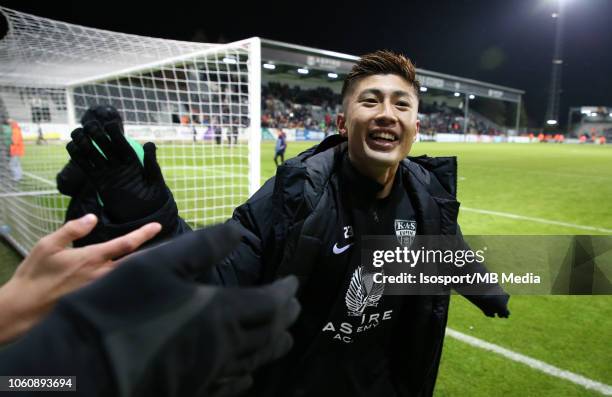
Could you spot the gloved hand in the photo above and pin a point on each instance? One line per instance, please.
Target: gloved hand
(148, 329)
(129, 190)
(491, 304)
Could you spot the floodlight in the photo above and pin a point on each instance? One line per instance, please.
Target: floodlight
(551, 122)
(303, 71)
(269, 66)
(332, 75)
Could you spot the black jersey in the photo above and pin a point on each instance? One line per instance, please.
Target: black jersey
(350, 330)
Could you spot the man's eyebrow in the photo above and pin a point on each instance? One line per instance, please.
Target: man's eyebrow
(374, 91)
(378, 92)
(401, 93)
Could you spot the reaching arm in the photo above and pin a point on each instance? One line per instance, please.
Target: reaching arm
(51, 271)
(245, 264)
(149, 329)
(491, 298)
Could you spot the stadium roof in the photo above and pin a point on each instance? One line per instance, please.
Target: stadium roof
(300, 56)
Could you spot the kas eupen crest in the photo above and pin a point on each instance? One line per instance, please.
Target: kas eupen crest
(405, 231)
(362, 292)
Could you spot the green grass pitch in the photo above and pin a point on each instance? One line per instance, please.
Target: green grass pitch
(554, 189)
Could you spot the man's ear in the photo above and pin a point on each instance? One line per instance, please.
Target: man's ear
(418, 129)
(341, 124)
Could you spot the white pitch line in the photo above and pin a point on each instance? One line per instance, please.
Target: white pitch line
(31, 193)
(480, 211)
(34, 176)
(539, 220)
(532, 362)
(561, 174)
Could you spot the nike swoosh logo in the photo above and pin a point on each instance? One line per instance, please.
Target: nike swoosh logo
(338, 250)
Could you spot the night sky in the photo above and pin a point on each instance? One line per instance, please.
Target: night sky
(506, 42)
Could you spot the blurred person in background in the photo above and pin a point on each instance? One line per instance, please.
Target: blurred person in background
(281, 146)
(16, 149)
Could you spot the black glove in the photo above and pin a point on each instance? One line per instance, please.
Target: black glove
(128, 190)
(491, 304)
(71, 180)
(102, 114)
(156, 332)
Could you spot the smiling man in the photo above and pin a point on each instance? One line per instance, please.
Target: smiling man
(380, 120)
(309, 220)
(354, 338)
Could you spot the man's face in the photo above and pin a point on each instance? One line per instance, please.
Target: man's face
(380, 121)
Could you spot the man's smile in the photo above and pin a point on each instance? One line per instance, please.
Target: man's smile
(382, 140)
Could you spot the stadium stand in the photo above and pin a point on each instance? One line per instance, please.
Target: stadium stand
(294, 107)
(285, 106)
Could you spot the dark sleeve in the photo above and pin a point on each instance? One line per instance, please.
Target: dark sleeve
(473, 267)
(490, 298)
(172, 226)
(60, 347)
(71, 179)
(245, 265)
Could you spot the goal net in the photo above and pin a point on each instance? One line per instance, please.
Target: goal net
(200, 104)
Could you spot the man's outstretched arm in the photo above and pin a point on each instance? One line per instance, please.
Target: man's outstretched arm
(490, 298)
(149, 329)
(246, 264)
(52, 270)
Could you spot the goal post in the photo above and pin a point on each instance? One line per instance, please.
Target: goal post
(200, 104)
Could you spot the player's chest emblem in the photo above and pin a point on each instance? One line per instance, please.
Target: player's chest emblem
(362, 292)
(405, 231)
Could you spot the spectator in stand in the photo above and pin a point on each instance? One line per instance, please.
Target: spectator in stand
(294, 107)
(281, 145)
(265, 120)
